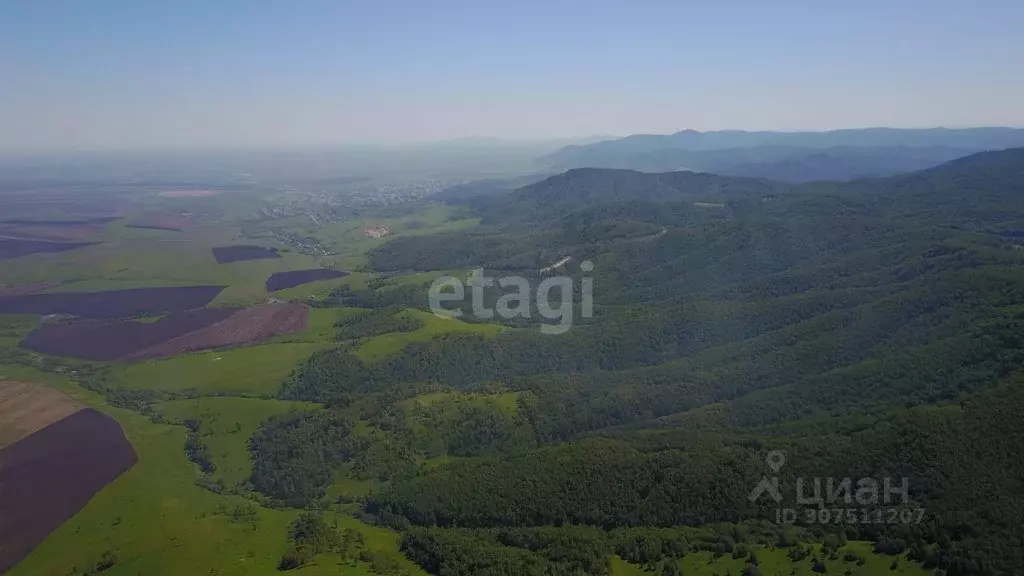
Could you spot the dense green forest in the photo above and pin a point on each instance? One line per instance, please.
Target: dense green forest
(870, 329)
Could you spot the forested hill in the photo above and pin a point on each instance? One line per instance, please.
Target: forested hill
(788, 156)
(982, 191)
(601, 185)
(871, 328)
(983, 181)
(841, 163)
(565, 193)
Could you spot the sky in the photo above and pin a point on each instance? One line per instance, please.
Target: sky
(133, 74)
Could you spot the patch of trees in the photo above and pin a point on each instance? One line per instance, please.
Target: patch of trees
(401, 296)
(374, 323)
(463, 553)
(458, 426)
(197, 450)
(311, 534)
(241, 514)
(605, 483)
(577, 550)
(293, 455)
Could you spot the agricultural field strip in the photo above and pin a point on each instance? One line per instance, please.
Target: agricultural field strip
(245, 326)
(50, 475)
(111, 304)
(170, 335)
(28, 408)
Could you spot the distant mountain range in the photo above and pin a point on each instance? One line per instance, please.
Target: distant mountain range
(788, 156)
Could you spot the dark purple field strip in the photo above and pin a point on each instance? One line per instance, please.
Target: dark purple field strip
(12, 248)
(46, 477)
(75, 222)
(282, 280)
(106, 340)
(154, 227)
(111, 304)
(227, 254)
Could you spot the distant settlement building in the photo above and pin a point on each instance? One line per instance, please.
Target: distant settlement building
(377, 231)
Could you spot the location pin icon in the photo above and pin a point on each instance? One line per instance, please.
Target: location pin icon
(775, 460)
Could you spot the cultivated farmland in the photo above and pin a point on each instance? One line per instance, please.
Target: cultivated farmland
(250, 370)
(69, 220)
(107, 340)
(46, 477)
(170, 222)
(28, 408)
(157, 502)
(173, 334)
(67, 231)
(17, 247)
(228, 254)
(188, 193)
(283, 280)
(19, 289)
(112, 303)
(248, 325)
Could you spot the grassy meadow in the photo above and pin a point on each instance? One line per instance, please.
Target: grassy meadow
(349, 243)
(245, 371)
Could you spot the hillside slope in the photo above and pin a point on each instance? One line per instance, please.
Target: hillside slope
(866, 329)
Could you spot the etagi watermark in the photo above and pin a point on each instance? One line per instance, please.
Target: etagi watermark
(839, 500)
(519, 298)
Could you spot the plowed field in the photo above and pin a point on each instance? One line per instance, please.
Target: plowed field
(111, 304)
(282, 280)
(28, 408)
(248, 325)
(48, 476)
(227, 254)
(106, 340)
(176, 333)
(18, 247)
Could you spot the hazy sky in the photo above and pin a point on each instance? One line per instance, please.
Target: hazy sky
(172, 73)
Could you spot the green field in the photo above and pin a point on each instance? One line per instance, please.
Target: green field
(321, 288)
(320, 326)
(250, 370)
(14, 327)
(349, 243)
(380, 346)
